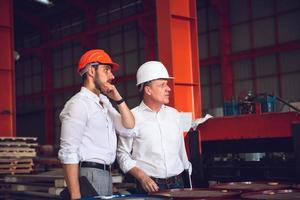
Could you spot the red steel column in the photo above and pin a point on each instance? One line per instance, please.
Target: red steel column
(148, 28)
(178, 50)
(222, 7)
(7, 71)
(45, 57)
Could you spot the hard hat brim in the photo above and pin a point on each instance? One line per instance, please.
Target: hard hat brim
(155, 79)
(114, 66)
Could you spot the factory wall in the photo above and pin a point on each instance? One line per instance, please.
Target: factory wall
(125, 43)
(262, 57)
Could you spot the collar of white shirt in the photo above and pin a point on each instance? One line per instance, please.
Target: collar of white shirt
(86, 92)
(144, 107)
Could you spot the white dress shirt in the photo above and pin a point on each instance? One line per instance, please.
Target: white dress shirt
(158, 146)
(88, 129)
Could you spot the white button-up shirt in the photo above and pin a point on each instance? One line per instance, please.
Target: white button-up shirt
(88, 129)
(158, 146)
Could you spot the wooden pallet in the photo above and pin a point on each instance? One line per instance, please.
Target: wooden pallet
(46, 177)
(13, 166)
(16, 171)
(26, 187)
(18, 144)
(17, 166)
(28, 139)
(16, 160)
(17, 154)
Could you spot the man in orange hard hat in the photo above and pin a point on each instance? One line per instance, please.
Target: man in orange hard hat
(89, 124)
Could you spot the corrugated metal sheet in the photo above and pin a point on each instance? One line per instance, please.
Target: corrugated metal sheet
(291, 86)
(264, 34)
(217, 96)
(289, 27)
(202, 25)
(240, 37)
(239, 11)
(262, 8)
(215, 73)
(213, 18)
(265, 65)
(204, 75)
(131, 88)
(290, 61)
(214, 44)
(131, 62)
(205, 97)
(241, 88)
(285, 5)
(268, 85)
(203, 46)
(242, 69)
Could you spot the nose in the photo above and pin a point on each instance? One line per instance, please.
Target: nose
(168, 88)
(112, 77)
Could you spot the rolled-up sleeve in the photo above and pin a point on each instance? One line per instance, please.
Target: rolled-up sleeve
(117, 121)
(123, 154)
(73, 120)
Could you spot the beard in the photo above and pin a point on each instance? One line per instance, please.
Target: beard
(97, 83)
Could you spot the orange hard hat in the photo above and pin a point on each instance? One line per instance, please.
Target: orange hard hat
(96, 56)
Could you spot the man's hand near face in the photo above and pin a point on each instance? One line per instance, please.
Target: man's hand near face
(111, 91)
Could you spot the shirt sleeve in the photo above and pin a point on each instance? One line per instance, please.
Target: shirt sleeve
(73, 120)
(124, 157)
(186, 163)
(117, 122)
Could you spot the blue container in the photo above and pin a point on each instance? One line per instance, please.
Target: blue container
(231, 108)
(267, 103)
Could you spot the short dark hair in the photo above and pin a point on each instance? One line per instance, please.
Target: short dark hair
(141, 88)
(84, 76)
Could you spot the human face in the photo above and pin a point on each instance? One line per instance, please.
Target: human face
(103, 76)
(159, 91)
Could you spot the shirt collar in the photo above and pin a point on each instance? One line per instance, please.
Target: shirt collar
(143, 107)
(86, 92)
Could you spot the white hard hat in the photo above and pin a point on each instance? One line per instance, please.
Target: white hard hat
(151, 70)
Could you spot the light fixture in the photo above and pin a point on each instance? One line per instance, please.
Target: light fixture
(16, 55)
(45, 2)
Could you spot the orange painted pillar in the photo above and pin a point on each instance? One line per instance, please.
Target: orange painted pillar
(178, 50)
(7, 76)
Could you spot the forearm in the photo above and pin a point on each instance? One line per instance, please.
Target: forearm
(147, 183)
(71, 174)
(127, 117)
(139, 174)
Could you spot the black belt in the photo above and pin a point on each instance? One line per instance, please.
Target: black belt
(95, 165)
(170, 180)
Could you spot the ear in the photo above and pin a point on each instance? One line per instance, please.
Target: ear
(91, 71)
(147, 90)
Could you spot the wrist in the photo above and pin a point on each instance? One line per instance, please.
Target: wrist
(118, 102)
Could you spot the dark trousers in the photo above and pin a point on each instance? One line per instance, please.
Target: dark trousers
(164, 184)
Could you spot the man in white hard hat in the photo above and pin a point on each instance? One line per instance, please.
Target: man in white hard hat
(156, 157)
